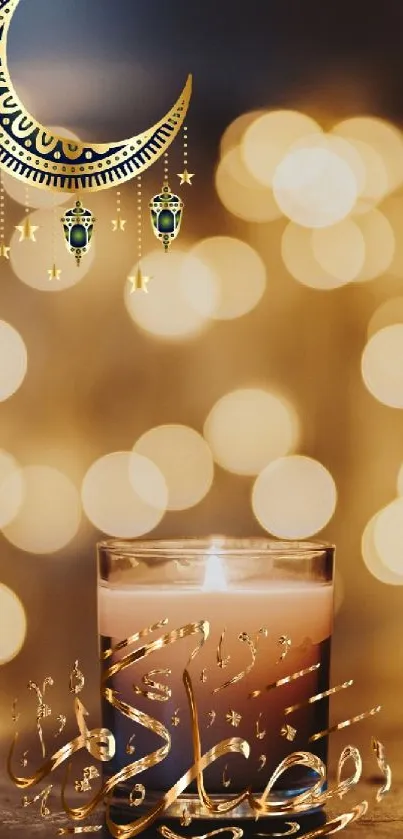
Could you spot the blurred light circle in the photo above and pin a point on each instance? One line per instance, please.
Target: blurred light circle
(241, 194)
(340, 250)
(124, 494)
(387, 314)
(388, 536)
(31, 261)
(21, 192)
(50, 513)
(373, 186)
(384, 138)
(13, 360)
(400, 481)
(181, 299)
(294, 497)
(299, 259)
(269, 138)
(392, 210)
(315, 187)
(372, 558)
(246, 429)
(183, 458)
(379, 244)
(239, 272)
(11, 488)
(13, 625)
(234, 134)
(382, 366)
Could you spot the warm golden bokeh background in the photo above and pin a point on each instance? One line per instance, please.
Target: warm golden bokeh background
(257, 387)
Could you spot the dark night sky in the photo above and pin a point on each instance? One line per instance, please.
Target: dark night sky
(344, 55)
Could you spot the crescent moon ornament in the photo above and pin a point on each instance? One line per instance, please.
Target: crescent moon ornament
(31, 153)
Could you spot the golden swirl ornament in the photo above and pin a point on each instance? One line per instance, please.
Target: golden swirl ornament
(31, 153)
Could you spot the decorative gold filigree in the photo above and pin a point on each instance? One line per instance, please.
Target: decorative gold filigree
(77, 681)
(379, 750)
(345, 724)
(43, 710)
(285, 681)
(138, 790)
(165, 692)
(43, 798)
(289, 733)
(221, 660)
(262, 762)
(286, 643)
(130, 749)
(233, 718)
(318, 697)
(260, 735)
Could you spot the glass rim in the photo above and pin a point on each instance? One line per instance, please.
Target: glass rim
(222, 545)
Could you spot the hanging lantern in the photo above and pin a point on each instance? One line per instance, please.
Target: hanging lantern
(166, 215)
(78, 225)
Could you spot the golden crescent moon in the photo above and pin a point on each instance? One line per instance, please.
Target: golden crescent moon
(31, 153)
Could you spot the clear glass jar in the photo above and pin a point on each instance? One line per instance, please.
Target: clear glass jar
(208, 642)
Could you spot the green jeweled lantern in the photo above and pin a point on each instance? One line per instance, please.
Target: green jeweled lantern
(166, 215)
(78, 225)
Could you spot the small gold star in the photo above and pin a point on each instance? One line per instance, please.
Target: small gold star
(27, 231)
(186, 177)
(4, 251)
(139, 282)
(233, 718)
(119, 224)
(54, 273)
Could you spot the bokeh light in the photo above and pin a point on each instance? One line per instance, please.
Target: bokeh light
(268, 139)
(387, 314)
(13, 360)
(246, 429)
(294, 497)
(301, 263)
(181, 299)
(13, 625)
(340, 250)
(379, 245)
(234, 134)
(372, 559)
(124, 494)
(388, 536)
(11, 488)
(33, 196)
(382, 366)
(239, 273)
(184, 459)
(315, 187)
(50, 513)
(392, 209)
(384, 138)
(241, 194)
(31, 261)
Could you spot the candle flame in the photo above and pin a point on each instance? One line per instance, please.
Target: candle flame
(214, 579)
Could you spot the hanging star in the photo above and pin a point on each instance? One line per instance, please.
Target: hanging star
(186, 177)
(27, 231)
(4, 251)
(119, 224)
(139, 282)
(54, 273)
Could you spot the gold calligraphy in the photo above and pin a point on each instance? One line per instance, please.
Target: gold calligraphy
(43, 798)
(165, 692)
(43, 710)
(379, 750)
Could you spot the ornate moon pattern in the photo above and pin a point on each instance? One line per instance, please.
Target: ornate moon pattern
(32, 154)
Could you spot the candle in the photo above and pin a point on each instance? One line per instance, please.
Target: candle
(264, 614)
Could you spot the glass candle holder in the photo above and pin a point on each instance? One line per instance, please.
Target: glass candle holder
(211, 650)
